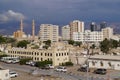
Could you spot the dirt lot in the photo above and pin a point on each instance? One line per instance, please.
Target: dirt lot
(27, 76)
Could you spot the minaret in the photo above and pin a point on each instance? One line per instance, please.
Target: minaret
(21, 25)
(33, 30)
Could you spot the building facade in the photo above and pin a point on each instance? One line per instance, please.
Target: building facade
(107, 32)
(88, 36)
(66, 32)
(93, 26)
(57, 53)
(49, 32)
(103, 25)
(76, 26)
(105, 61)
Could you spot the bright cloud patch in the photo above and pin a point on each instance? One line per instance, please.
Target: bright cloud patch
(10, 16)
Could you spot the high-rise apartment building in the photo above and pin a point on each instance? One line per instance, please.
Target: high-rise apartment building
(107, 32)
(88, 36)
(93, 26)
(103, 25)
(66, 32)
(76, 26)
(49, 32)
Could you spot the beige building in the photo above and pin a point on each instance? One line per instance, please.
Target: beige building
(49, 32)
(4, 74)
(58, 53)
(76, 26)
(19, 33)
(88, 36)
(66, 32)
(107, 32)
(105, 61)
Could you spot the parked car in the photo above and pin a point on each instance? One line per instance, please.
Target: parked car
(83, 69)
(13, 74)
(100, 71)
(61, 69)
(15, 61)
(50, 66)
(8, 61)
(31, 63)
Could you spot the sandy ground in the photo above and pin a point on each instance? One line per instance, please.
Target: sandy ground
(27, 76)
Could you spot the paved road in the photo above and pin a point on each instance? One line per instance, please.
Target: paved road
(66, 76)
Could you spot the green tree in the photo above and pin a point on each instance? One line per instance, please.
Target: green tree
(46, 47)
(10, 40)
(3, 55)
(22, 43)
(35, 47)
(43, 63)
(2, 40)
(119, 43)
(71, 42)
(77, 43)
(93, 47)
(48, 42)
(67, 64)
(23, 61)
(114, 43)
(105, 46)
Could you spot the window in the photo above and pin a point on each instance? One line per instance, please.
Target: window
(59, 54)
(56, 54)
(37, 53)
(41, 59)
(41, 54)
(65, 54)
(50, 54)
(93, 63)
(48, 59)
(45, 54)
(101, 63)
(62, 54)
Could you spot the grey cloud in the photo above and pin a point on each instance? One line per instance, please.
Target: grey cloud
(11, 15)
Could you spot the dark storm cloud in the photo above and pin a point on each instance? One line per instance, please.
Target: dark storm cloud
(63, 11)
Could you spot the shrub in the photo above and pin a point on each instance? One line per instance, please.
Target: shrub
(42, 63)
(67, 64)
(4, 55)
(23, 61)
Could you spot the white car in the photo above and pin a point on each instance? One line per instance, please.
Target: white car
(61, 69)
(15, 61)
(50, 66)
(8, 61)
(13, 74)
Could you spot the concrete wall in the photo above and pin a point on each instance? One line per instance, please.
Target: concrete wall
(4, 75)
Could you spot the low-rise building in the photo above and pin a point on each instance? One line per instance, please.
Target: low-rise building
(57, 53)
(105, 61)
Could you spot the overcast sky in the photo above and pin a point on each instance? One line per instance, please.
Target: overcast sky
(59, 12)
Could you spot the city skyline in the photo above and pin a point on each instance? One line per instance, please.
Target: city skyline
(58, 12)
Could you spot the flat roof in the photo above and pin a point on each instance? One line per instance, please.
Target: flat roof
(105, 57)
